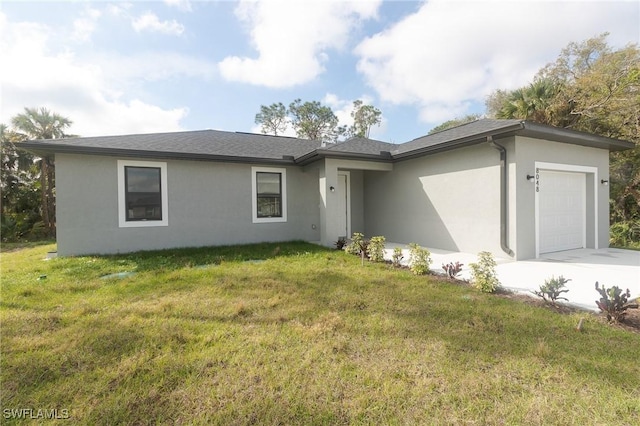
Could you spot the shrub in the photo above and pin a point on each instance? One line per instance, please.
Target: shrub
(358, 246)
(419, 259)
(625, 234)
(354, 245)
(341, 244)
(484, 273)
(552, 288)
(397, 257)
(376, 249)
(614, 303)
(452, 269)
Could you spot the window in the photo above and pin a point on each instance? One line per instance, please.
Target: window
(269, 194)
(142, 193)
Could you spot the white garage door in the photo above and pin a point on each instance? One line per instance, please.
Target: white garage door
(561, 211)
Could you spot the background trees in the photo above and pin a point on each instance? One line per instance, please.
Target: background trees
(312, 120)
(26, 178)
(591, 88)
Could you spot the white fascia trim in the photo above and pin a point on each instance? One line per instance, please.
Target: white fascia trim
(122, 217)
(540, 165)
(254, 195)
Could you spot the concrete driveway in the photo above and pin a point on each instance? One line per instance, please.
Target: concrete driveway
(610, 267)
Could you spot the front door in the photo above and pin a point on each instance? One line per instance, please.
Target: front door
(343, 210)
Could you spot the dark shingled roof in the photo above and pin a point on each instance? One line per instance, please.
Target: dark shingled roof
(249, 147)
(204, 144)
(362, 146)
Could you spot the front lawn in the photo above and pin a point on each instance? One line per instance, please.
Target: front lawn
(294, 334)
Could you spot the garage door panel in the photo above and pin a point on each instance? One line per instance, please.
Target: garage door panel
(561, 210)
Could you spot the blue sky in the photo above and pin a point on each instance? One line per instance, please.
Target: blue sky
(118, 67)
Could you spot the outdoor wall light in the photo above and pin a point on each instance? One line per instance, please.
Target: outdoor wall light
(531, 178)
(604, 182)
(332, 188)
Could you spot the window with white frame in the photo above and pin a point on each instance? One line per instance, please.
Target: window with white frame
(269, 194)
(142, 193)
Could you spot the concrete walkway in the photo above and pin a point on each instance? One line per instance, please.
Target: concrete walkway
(610, 267)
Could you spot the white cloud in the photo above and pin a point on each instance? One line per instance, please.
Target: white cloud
(293, 39)
(84, 26)
(69, 86)
(149, 21)
(450, 54)
(183, 5)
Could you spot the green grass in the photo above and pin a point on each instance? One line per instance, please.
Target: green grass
(307, 336)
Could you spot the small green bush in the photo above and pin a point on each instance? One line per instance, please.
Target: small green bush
(376, 249)
(397, 257)
(552, 288)
(484, 273)
(614, 303)
(419, 259)
(355, 245)
(625, 234)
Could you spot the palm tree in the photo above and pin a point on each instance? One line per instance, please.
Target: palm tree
(40, 123)
(531, 102)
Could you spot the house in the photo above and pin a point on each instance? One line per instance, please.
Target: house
(511, 187)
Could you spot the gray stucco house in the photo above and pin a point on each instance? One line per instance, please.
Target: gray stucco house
(511, 187)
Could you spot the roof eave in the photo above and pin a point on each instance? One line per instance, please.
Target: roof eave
(41, 150)
(317, 154)
(467, 141)
(574, 137)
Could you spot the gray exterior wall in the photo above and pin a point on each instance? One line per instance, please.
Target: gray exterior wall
(449, 201)
(209, 204)
(529, 151)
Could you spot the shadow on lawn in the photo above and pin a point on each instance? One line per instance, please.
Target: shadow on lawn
(201, 256)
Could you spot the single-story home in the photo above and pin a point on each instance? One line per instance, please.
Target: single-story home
(514, 188)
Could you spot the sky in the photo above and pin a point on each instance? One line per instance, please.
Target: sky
(116, 67)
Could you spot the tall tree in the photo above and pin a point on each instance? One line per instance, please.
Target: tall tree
(20, 189)
(364, 117)
(272, 118)
(312, 120)
(40, 123)
(531, 102)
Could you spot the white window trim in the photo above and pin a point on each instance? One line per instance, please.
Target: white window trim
(539, 165)
(122, 216)
(254, 195)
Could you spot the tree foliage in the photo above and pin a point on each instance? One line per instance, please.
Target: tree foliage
(20, 187)
(315, 121)
(272, 118)
(40, 123)
(364, 117)
(312, 120)
(593, 88)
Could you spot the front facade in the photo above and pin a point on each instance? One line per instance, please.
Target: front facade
(512, 188)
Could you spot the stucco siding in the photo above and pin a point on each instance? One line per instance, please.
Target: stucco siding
(209, 203)
(530, 151)
(447, 201)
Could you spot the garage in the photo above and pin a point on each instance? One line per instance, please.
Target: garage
(562, 210)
